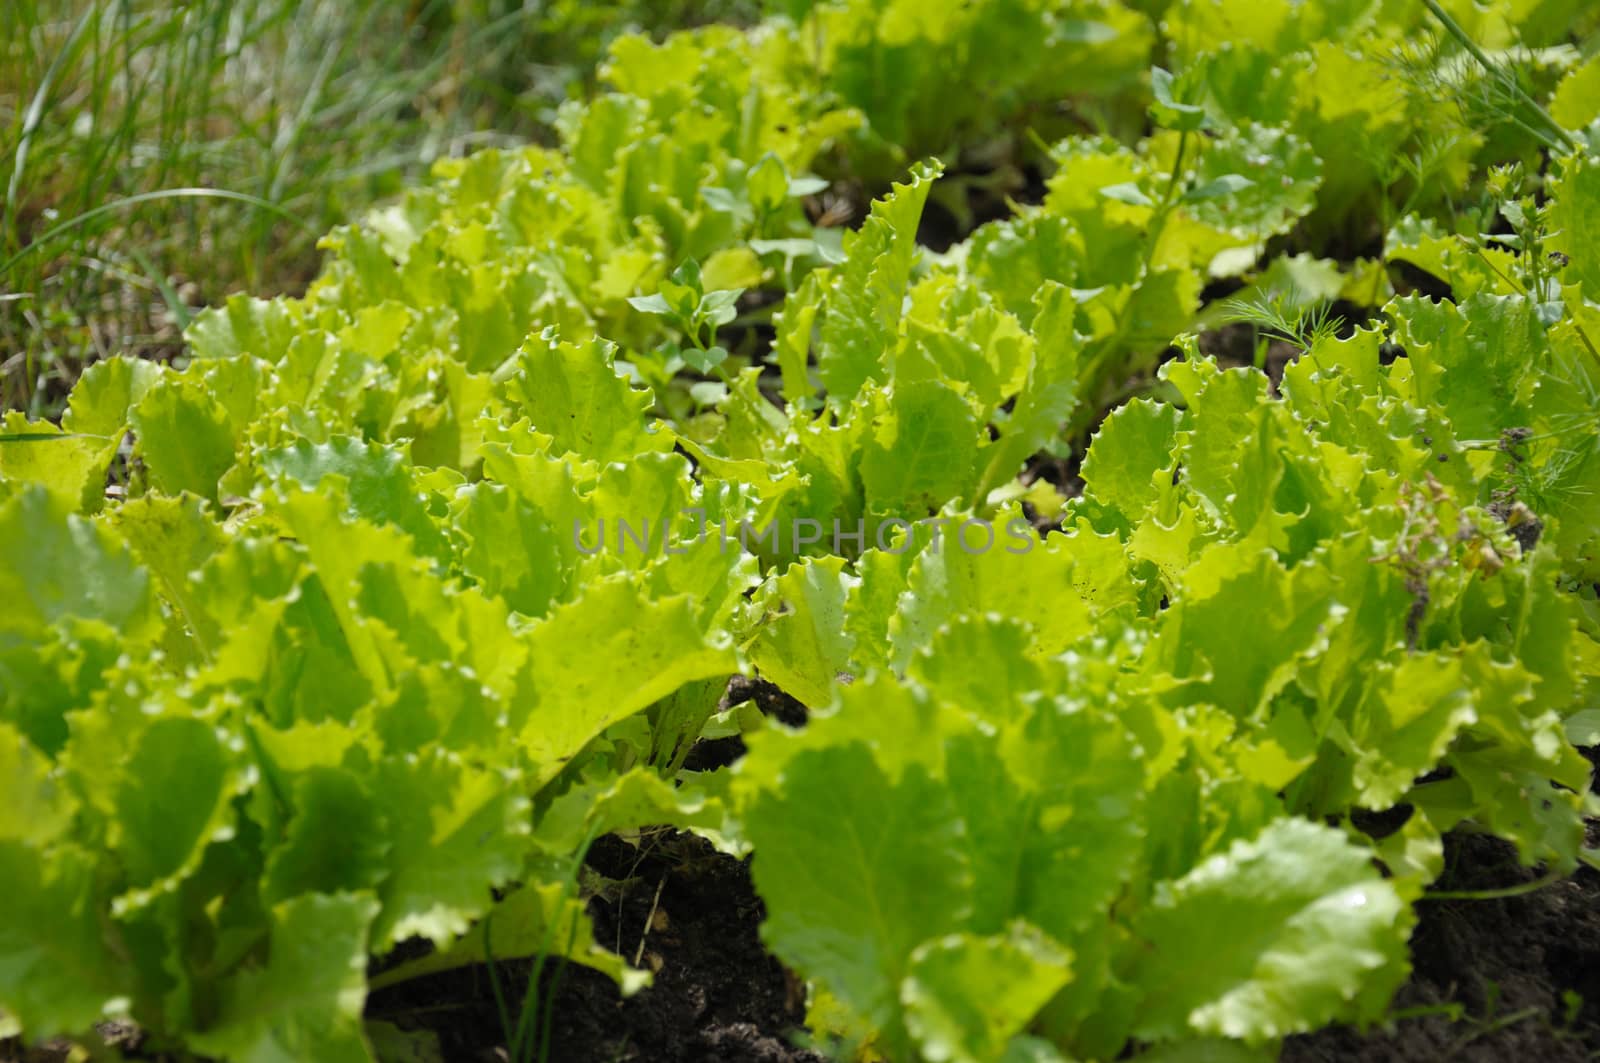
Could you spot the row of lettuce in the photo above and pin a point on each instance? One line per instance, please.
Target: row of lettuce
(353, 644)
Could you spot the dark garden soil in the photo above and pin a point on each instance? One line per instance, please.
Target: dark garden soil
(1524, 973)
(1513, 978)
(692, 916)
(677, 906)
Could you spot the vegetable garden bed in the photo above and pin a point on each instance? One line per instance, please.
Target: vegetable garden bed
(1174, 597)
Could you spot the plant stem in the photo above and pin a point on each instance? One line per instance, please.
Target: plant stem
(1454, 29)
(1548, 879)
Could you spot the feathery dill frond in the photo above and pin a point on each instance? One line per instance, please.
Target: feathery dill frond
(1287, 315)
